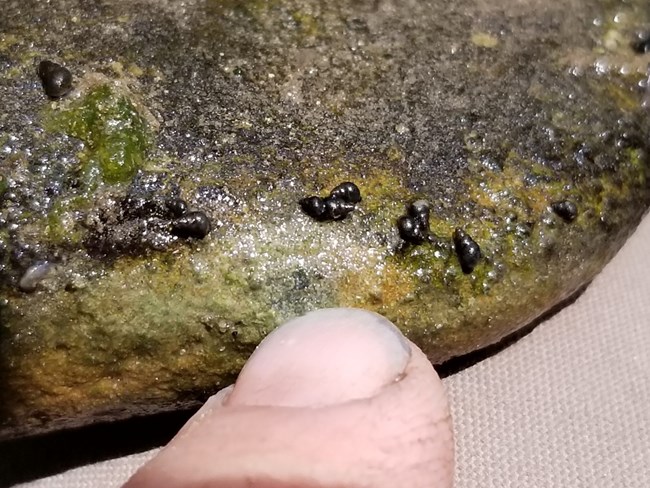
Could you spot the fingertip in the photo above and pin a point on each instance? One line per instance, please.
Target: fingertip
(398, 431)
(324, 357)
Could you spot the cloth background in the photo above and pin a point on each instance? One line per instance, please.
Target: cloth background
(568, 405)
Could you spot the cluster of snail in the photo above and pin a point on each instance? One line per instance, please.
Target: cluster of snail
(341, 201)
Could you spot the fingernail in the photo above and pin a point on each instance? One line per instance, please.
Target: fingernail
(325, 357)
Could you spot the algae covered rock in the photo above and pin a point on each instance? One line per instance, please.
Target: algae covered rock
(157, 219)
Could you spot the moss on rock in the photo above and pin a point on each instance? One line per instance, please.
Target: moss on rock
(115, 133)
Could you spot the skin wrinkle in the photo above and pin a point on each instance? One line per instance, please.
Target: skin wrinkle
(274, 459)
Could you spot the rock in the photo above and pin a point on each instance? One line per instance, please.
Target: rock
(492, 112)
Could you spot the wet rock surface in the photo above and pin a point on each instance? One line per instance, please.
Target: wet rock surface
(151, 230)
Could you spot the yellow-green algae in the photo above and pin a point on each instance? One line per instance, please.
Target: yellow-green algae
(62, 228)
(171, 326)
(115, 133)
(425, 285)
(483, 39)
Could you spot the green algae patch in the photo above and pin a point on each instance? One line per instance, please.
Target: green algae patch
(248, 8)
(383, 193)
(7, 41)
(61, 226)
(115, 133)
(483, 39)
(308, 24)
(105, 340)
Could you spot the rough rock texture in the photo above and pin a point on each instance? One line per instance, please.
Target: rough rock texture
(523, 123)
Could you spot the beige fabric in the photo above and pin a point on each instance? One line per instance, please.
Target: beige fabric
(566, 406)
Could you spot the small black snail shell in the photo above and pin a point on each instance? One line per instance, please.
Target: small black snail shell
(419, 210)
(467, 250)
(347, 191)
(314, 207)
(176, 206)
(411, 230)
(641, 44)
(337, 208)
(566, 210)
(57, 80)
(192, 224)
